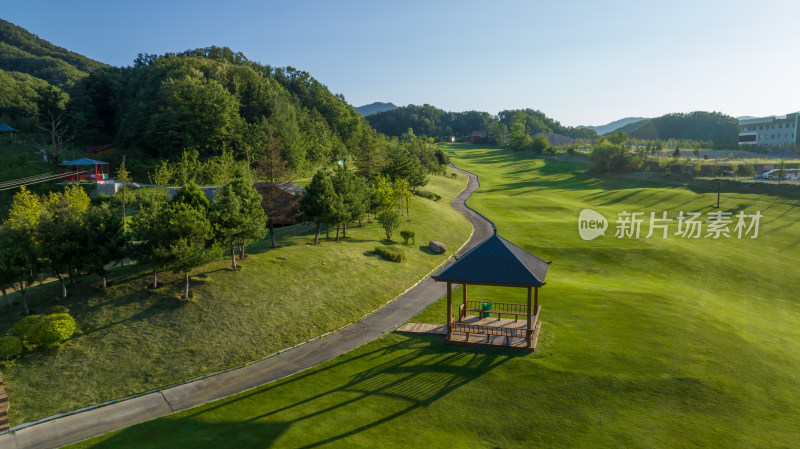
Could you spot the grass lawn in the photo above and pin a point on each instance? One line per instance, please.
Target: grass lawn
(134, 338)
(645, 343)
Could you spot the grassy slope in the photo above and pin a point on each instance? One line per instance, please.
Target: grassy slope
(136, 339)
(648, 343)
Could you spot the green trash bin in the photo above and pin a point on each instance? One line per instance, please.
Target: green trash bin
(485, 306)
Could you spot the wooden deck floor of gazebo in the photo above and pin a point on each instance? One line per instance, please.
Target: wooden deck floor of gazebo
(478, 339)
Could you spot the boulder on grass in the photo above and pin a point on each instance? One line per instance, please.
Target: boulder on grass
(437, 247)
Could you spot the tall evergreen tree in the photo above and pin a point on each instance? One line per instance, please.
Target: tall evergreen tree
(371, 157)
(237, 217)
(144, 224)
(404, 165)
(319, 201)
(345, 186)
(101, 240)
(179, 239)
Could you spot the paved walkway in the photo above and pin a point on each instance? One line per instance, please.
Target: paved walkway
(80, 426)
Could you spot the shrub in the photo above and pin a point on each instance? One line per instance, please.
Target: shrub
(550, 150)
(57, 309)
(607, 157)
(24, 326)
(708, 170)
(10, 347)
(539, 144)
(428, 195)
(408, 235)
(390, 253)
(746, 170)
(53, 329)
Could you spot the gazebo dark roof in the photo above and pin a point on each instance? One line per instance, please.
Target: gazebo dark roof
(84, 161)
(496, 261)
(6, 129)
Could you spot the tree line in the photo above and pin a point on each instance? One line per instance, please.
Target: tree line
(429, 121)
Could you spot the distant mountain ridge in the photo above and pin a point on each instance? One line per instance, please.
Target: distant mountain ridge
(374, 108)
(615, 125)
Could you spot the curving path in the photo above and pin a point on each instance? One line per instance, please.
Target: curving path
(83, 425)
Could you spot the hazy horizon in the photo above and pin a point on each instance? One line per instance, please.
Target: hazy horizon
(582, 63)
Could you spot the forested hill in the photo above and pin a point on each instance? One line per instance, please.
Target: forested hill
(208, 101)
(212, 99)
(23, 51)
(721, 129)
(427, 120)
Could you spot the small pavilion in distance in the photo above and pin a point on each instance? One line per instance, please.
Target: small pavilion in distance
(83, 171)
(495, 262)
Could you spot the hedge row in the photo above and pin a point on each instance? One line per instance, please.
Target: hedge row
(390, 253)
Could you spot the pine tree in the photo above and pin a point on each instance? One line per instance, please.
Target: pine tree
(179, 239)
(319, 201)
(101, 240)
(238, 217)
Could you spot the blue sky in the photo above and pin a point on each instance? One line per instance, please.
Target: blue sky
(580, 62)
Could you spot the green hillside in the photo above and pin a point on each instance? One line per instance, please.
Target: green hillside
(18, 95)
(721, 129)
(210, 100)
(23, 51)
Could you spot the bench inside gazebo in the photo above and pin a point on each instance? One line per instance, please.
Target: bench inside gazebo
(495, 262)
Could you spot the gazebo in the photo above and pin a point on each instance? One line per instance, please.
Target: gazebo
(7, 130)
(495, 262)
(83, 171)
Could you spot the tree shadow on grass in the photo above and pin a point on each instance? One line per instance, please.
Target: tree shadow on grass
(417, 372)
(161, 304)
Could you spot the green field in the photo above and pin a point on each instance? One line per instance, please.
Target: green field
(645, 343)
(134, 338)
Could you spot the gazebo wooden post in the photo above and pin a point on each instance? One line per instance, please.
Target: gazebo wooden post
(464, 285)
(449, 309)
(536, 302)
(529, 332)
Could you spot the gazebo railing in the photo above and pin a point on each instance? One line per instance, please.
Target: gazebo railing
(489, 330)
(499, 308)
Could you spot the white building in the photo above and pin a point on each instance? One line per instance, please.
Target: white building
(780, 131)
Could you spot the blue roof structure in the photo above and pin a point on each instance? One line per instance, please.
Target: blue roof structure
(6, 129)
(496, 261)
(84, 161)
